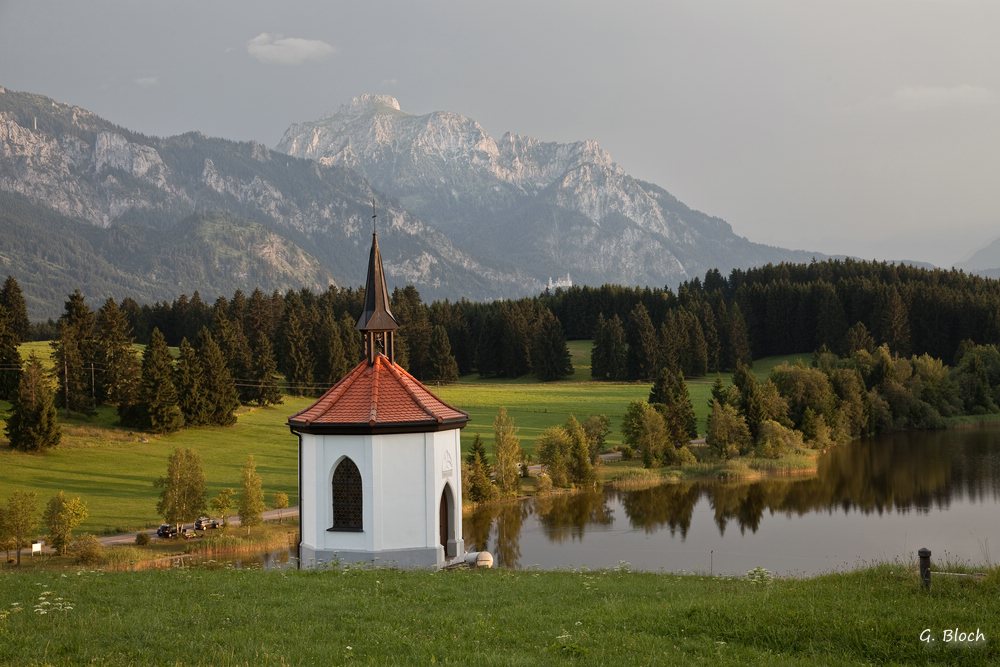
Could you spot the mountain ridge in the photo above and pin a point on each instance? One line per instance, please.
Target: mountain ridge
(468, 216)
(490, 194)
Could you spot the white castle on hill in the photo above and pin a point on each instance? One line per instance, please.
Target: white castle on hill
(564, 283)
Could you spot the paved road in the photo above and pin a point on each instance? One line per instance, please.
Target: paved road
(129, 538)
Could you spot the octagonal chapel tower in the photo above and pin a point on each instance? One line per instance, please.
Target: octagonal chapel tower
(380, 476)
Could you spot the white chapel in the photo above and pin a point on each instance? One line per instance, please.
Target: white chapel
(379, 458)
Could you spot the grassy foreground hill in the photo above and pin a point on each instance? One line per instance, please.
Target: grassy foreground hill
(249, 617)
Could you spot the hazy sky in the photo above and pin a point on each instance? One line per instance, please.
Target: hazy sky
(865, 127)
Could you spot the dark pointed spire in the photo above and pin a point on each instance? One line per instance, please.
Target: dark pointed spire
(377, 322)
(377, 315)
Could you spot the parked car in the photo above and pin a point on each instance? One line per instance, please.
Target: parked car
(188, 534)
(166, 530)
(204, 523)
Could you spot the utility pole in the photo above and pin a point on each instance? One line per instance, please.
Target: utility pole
(66, 382)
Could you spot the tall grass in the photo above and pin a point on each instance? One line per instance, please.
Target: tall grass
(204, 616)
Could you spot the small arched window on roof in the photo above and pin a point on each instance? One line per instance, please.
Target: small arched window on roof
(347, 504)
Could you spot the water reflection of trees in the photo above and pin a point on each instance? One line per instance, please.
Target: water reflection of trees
(669, 505)
(900, 473)
(568, 514)
(499, 525)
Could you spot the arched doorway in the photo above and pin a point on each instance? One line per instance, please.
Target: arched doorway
(446, 521)
(347, 497)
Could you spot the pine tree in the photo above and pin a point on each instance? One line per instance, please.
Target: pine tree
(514, 342)
(351, 340)
(441, 365)
(831, 323)
(250, 502)
(119, 371)
(32, 425)
(220, 392)
(265, 373)
(739, 340)
(858, 338)
(73, 356)
(751, 405)
(190, 383)
(337, 364)
(481, 488)
(73, 392)
(643, 345)
(10, 357)
(609, 355)
(696, 357)
(158, 395)
(298, 359)
(506, 454)
(259, 318)
(670, 391)
(414, 329)
(12, 300)
(550, 358)
(894, 322)
(711, 331)
(328, 350)
(232, 341)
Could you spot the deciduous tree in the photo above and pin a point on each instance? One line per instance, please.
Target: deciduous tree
(182, 489)
(62, 516)
(20, 519)
(250, 501)
(222, 504)
(506, 454)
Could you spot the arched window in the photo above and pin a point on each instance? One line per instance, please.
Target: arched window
(347, 497)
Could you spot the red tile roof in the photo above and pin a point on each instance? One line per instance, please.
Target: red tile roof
(381, 398)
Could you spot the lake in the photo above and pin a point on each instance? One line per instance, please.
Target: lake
(871, 501)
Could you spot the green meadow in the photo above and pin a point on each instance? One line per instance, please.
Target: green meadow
(113, 469)
(220, 617)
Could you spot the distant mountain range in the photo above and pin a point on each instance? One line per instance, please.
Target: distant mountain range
(985, 261)
(546, 208)
(85, 203)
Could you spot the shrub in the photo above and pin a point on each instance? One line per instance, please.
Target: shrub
(86, 549)
(544, 484)
(142, 539)
(775, 440)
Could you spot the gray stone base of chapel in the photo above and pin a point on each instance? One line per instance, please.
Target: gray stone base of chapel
(403, 558)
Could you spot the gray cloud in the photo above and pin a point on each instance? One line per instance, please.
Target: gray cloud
(274, 49)
(146, 81)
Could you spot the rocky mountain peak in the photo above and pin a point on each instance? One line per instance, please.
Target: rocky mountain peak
(370, 102)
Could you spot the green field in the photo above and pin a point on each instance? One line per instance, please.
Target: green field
(225, 617)
(113, 469)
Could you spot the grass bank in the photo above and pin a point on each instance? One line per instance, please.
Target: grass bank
(235, 617)
(113, 469)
